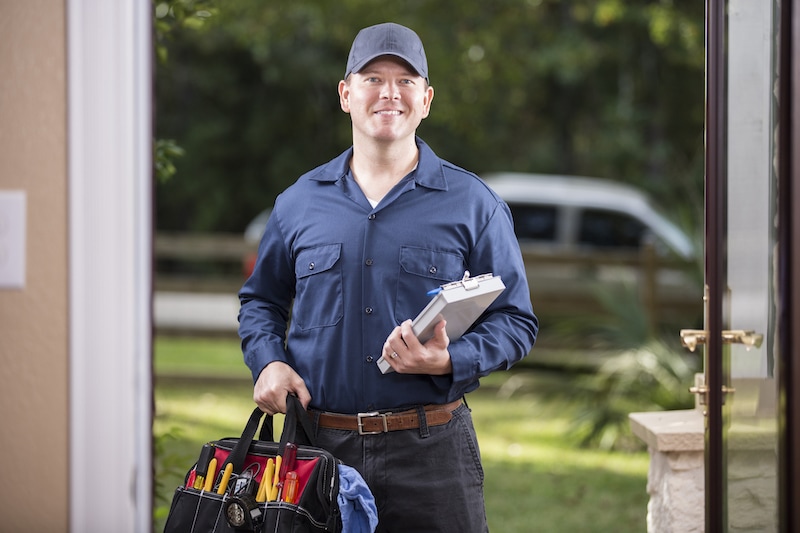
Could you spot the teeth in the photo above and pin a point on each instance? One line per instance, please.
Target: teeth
(388, 112)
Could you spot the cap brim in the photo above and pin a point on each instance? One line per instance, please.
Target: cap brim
(358, 67)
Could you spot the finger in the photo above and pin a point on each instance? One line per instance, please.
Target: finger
(440, 334)
(389, 347)
(275, 381)
(262, 398)
(408, 337)
(280, 403)
(266, 406)
(302, 393)
(395, 336)
(268, 400)
(390, 355)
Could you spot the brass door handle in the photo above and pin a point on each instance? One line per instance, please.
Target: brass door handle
(702, 392)
(690, 338)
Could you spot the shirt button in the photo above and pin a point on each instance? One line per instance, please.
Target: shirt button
(371, 407)
(432, 270)
(371, 216)
(368, 310)
(369, 359)
(369, 262)
(311, 266)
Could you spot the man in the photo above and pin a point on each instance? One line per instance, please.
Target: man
(352, 248)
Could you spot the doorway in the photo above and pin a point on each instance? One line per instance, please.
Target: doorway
(750, 451)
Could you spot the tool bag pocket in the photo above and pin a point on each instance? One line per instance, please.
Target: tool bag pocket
(260, 485)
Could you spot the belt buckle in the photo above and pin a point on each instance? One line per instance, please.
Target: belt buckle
(361, 416)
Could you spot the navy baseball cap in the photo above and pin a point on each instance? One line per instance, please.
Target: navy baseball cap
(387, 39)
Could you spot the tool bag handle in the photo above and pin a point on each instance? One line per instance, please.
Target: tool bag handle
(297, 418)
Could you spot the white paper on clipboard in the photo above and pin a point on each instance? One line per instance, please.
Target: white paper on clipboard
(460, 303)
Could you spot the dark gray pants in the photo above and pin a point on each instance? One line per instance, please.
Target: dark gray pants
(427, 479)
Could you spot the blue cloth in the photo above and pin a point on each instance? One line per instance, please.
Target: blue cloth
(351, 273)
(356, 503)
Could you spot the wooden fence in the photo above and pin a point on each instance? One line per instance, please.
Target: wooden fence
(669, 290)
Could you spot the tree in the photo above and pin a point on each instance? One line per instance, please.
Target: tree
(595, 87)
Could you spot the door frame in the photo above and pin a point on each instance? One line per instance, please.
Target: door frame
(715, 259)
(110, 143)
(789, 266)
(788, 263)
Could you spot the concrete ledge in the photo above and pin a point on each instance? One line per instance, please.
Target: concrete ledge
(670, 431)
(675, 480)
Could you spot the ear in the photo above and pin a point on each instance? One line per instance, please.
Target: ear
(427, 102)
(344, 96)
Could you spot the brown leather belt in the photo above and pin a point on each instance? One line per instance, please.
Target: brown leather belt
(376, 422)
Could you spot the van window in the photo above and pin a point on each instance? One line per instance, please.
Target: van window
(609, 229)
(534, 222)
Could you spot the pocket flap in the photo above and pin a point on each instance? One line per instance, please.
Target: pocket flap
(316, 260)
(431, 264)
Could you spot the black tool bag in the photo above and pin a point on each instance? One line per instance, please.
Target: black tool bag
(307, 496)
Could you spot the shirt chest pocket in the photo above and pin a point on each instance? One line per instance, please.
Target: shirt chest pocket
(318, 299)
(420, 271)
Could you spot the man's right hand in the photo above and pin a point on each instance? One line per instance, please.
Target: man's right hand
(276, 380)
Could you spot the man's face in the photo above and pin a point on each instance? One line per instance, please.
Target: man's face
(386, 100)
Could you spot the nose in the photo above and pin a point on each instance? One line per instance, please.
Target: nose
(390, 90)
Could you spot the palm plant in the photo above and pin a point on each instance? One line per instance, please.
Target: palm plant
(646, 372)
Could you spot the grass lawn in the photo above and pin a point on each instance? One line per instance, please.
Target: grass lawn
(537, 479)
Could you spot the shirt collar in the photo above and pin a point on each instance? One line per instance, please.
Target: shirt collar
(429, 172)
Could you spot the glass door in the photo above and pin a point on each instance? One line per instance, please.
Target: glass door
(741, 382)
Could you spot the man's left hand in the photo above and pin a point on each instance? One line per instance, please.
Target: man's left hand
(407, 355)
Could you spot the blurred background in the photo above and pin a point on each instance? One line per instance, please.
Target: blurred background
(601, 88)
(246, 101)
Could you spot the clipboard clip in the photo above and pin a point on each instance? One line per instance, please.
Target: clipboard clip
(467, 282)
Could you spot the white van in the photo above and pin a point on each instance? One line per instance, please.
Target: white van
(570, 213)
(579, 235)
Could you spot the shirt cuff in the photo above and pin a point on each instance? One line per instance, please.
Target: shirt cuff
(464, 363)
(260, 356)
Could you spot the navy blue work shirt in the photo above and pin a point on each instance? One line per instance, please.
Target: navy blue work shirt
(348, 274)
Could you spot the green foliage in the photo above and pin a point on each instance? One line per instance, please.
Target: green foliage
(171, 14)
(169, 465)
(623, 325)
(604, 88)
(653, 377)
(166, 151)
(648, 372)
